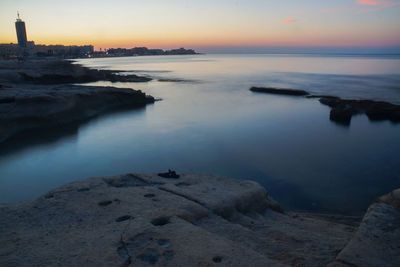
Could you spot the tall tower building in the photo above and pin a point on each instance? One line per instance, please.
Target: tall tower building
(21, 32)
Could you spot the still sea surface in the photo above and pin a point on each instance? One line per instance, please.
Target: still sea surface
(209, 122)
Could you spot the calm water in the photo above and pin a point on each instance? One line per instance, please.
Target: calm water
(211, 123)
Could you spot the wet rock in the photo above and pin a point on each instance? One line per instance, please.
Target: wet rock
(279, 91)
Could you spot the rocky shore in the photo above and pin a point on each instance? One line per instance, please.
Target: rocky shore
(342, 110)
(189, 220)
(40, 94)
(56, 71)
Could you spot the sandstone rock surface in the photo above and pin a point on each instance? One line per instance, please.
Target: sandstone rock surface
(147, 220)
(377, 241)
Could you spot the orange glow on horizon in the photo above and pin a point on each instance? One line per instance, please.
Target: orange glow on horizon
(158, 24)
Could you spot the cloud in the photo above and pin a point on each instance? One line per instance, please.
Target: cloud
(369, 2)
(289, 20)
(362, 6)
(377, 5)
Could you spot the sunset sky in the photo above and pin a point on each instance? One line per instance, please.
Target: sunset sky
(205, 23)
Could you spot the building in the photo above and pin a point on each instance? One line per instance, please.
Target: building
(21, 32)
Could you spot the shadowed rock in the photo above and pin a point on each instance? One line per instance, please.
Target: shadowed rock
(31, 97)
(279, 91)
(29, 107)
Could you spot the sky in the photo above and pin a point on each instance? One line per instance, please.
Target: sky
(205, 23)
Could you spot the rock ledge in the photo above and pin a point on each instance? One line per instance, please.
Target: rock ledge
(196, 220)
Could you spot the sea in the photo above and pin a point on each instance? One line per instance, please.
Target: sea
(207, 121)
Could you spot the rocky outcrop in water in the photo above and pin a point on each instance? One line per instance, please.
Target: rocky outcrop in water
(342, 110)
(193, 220)
(28, 107)
(38, 94)
(279, 91)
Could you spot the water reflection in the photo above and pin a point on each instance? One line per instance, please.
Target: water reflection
(217, 126)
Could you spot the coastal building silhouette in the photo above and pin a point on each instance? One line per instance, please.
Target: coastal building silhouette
(21, 32)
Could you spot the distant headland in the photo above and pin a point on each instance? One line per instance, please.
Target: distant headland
(28, 49)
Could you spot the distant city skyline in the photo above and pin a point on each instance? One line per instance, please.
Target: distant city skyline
(206, 24)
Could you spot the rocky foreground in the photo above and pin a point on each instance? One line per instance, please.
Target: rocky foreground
(40, 94)
(191, 220)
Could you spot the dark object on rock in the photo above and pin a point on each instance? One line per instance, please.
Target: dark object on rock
(170, 174)
(123, 218)
(160, 221)
(343, 110)
(217, 259)
(105, 203)
(279, 91)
